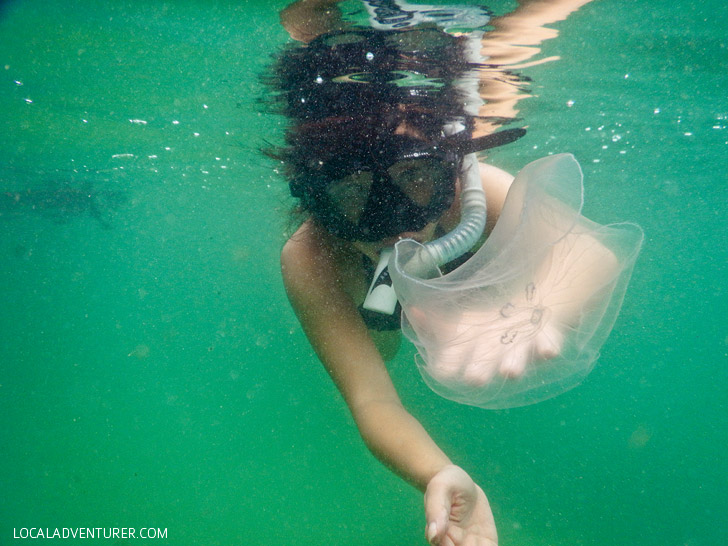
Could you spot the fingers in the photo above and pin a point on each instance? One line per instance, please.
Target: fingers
(470, 351)
(457, 511)
(549, 342)
(449, 361)
(513, 364)
(546, 345)
(483, 366)
(438, 502)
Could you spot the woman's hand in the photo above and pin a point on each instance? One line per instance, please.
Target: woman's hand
(457, 512)
(474, 348)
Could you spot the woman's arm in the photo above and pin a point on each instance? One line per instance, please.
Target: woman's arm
(306, 19)
(338, 335)
(456, 509)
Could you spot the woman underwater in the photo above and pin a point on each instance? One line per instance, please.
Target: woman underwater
(375, 153)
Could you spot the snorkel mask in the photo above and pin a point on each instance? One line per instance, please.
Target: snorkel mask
(395, 186)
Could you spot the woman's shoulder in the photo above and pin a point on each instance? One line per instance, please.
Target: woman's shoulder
(312, 254)
(495, 180)
(305, 251)
(310, 242)
(496, 183)
(314, 264)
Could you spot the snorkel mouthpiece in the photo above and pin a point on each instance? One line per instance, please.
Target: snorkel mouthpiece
(381, 297)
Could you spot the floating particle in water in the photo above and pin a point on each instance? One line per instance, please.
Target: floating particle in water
(241, 253)
(640, 437)
(569, 103)
(140, 351)
(369, 56)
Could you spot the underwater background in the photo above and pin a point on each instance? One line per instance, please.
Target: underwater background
(153, 375)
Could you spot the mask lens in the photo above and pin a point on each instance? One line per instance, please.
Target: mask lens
(349, 195)
(382, 203)
(419, 178)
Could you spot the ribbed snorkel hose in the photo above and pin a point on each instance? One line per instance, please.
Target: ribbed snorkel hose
(472, 217)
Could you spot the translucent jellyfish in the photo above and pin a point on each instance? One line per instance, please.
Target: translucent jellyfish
(524, 318)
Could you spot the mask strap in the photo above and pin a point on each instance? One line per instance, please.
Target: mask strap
(467, 146)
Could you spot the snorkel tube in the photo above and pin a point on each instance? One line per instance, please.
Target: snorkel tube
(472, 217)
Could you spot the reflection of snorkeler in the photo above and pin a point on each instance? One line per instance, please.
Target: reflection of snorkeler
(373, 163)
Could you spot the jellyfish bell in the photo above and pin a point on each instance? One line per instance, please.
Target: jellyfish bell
(524, 318)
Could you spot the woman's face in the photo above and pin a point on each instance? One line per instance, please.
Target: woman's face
(424, 235)
(387, 192)
(416, 181)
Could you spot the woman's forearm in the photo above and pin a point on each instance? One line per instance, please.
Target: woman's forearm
(397, 439)
(306, 19)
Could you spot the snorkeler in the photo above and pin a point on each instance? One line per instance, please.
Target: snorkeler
(379, 150)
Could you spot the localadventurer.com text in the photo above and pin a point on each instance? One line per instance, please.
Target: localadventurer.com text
(89, 532)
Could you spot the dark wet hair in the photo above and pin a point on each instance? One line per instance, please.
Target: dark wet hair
(349, 88)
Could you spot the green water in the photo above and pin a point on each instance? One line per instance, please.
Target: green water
(153, 375)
